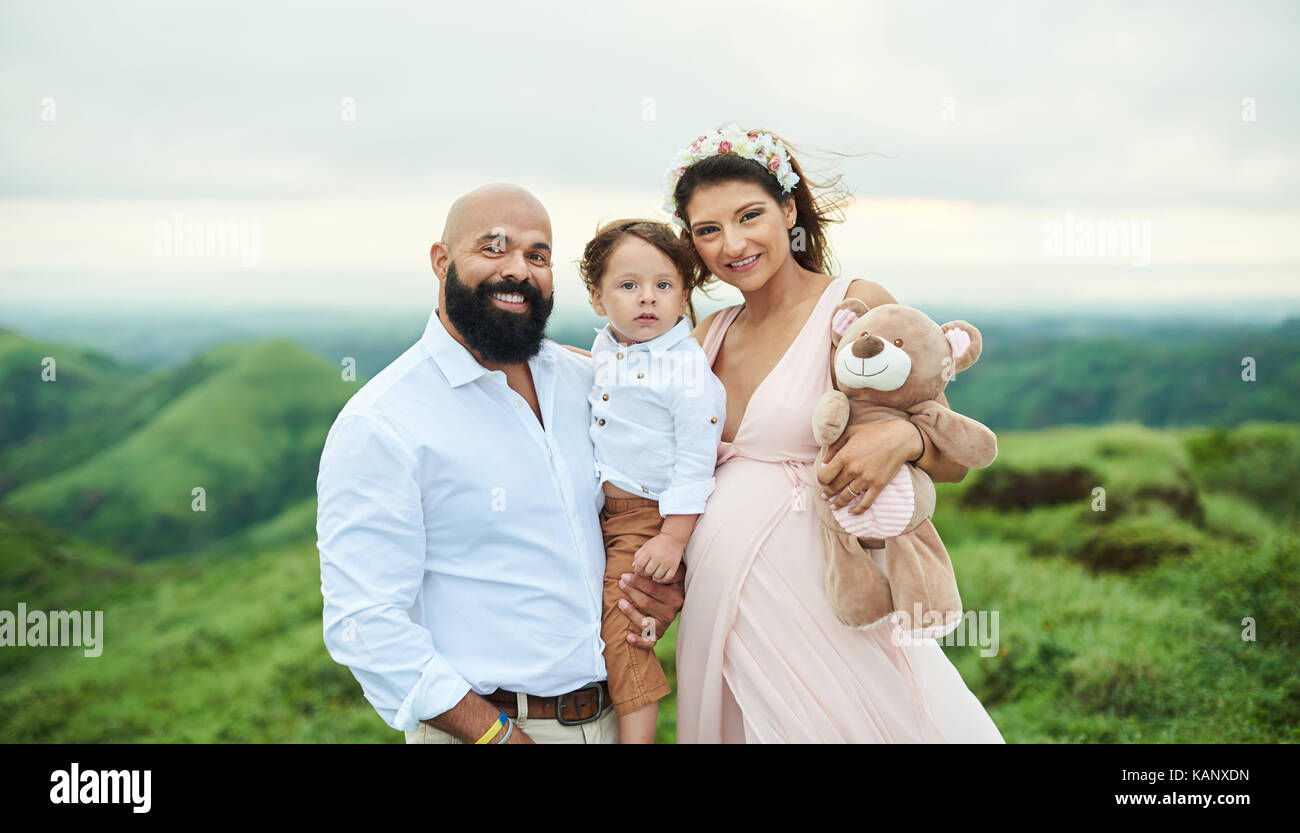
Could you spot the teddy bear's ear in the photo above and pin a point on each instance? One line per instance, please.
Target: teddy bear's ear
(848, 311)
(964, 344)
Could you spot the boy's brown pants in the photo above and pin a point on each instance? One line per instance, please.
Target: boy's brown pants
(636, 678)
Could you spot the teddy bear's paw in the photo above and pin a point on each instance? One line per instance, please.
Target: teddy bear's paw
(885, 622)
(934, 624)
(830, 417)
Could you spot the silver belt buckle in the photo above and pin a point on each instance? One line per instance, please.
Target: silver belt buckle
(600, 705)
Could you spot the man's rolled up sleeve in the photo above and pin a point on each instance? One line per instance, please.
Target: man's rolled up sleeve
(699, 410)
(370, 533)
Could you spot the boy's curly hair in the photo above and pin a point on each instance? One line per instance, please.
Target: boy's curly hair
(660, 235)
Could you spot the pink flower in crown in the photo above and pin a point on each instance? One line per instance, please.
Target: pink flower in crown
(724, 147)
(774, 163)
(678, 173)
(753, 135)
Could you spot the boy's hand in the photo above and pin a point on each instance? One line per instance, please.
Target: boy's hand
(659, 558)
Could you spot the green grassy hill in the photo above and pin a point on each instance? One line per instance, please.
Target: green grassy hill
(1158, 376)
(1036, 371)
(244, 423)
(1122, 625)
(34, 403)
(1126, 624)
(98, 417)
(1124, 562)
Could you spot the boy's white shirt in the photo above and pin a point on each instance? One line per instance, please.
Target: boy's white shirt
(656, 434)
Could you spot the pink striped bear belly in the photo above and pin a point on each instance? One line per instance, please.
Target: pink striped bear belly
(888, 516)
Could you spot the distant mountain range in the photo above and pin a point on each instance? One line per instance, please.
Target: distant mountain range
(115, 450)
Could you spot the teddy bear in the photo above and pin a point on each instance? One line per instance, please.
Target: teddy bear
(892, 362)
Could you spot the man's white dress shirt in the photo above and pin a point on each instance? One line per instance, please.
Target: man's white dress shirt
(460, 542)
(657, 417)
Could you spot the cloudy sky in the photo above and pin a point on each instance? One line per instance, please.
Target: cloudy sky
(985, 138)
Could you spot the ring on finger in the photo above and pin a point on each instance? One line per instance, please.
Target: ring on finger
(850, 488)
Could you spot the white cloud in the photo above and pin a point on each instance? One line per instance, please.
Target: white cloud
(232, 111)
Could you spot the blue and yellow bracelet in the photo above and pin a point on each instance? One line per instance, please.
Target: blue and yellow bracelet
(494, 729)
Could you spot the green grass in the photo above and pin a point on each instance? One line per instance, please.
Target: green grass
(197, 650)
(224, 643)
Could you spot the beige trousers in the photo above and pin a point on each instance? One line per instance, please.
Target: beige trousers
(603, 729)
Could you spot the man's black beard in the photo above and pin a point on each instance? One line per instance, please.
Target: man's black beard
(497, 335)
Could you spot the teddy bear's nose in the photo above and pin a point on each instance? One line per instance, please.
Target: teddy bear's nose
(866, 347)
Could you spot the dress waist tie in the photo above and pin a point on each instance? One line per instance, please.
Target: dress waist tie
(797, 472)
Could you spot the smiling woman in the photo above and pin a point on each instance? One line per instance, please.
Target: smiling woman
(761, 656)
(805, 208)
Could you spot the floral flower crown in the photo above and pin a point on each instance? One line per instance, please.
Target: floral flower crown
(763, 148)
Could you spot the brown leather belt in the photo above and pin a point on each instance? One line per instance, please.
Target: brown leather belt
(582, 705)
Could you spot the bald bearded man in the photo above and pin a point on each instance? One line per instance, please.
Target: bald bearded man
(458, 525)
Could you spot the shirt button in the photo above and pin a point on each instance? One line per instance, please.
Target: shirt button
(600, 421)
(644, 489)
(714, 420)
(620, 355)
(604, 396)
(517, 403)
(640, 376)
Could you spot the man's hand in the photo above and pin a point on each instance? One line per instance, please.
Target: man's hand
(659, 557)
(470, 718)
(660, 602)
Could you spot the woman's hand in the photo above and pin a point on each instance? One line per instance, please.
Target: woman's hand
(661, 603)
(865, 459)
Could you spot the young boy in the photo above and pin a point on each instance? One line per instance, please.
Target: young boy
(657, 417)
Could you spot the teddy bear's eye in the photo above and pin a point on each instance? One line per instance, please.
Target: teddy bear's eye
(898, 342)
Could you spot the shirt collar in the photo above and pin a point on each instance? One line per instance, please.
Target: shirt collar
(658, 344)
(455, 361)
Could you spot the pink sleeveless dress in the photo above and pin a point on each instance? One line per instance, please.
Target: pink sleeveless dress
(760, 656)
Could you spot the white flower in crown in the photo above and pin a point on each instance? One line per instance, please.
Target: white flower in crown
(762, 148)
